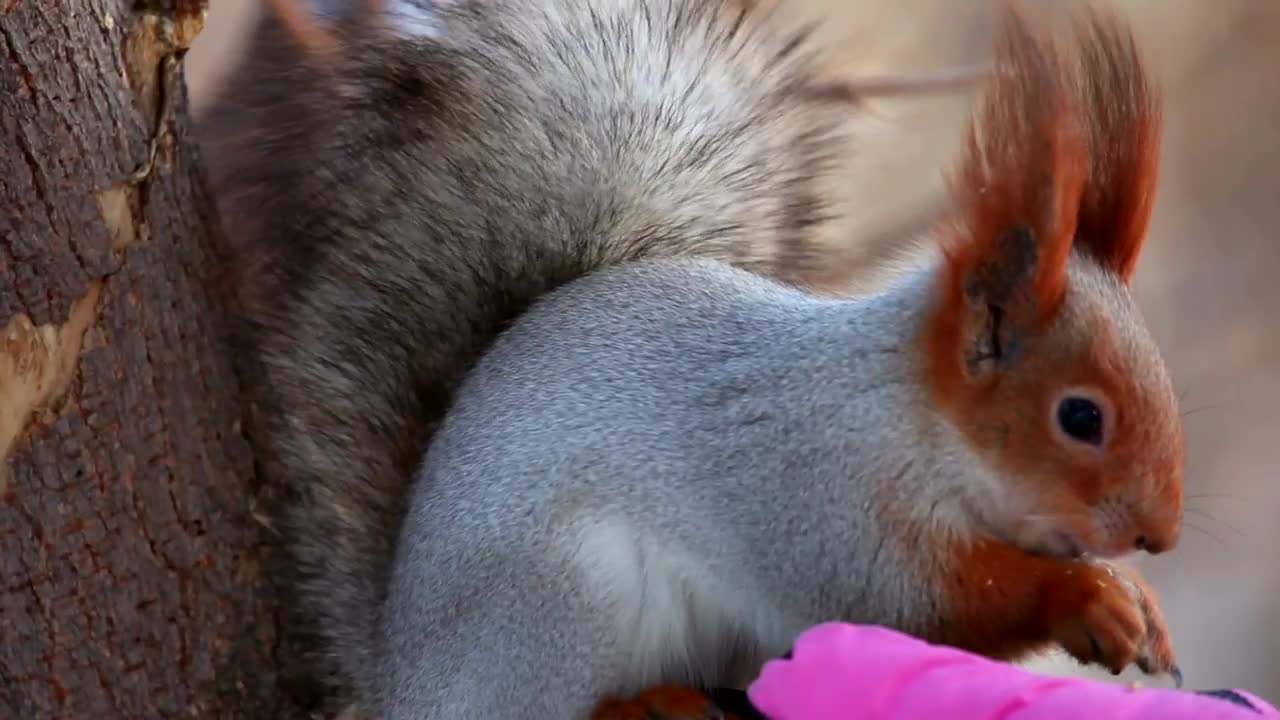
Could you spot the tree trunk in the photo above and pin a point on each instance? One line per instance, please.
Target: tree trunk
(131, 569)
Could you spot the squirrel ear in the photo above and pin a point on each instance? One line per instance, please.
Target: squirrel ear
(1016, 195)
(1123, 116)
(999, 301)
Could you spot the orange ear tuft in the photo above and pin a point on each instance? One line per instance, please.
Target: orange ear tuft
(1123, 117)
(1022, 174)
(1016, 196)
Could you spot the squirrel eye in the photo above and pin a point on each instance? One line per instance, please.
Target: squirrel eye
(1081, 419)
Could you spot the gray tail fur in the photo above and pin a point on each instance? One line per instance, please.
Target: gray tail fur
(393, 204)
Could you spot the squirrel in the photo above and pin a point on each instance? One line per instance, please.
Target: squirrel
(566, 427)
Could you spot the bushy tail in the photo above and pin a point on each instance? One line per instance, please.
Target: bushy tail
(401, 178)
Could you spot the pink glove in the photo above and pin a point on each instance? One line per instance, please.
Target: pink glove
(838, 671)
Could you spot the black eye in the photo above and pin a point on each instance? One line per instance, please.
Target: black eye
(1081, 419)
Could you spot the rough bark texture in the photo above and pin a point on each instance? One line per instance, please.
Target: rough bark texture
(131, 584)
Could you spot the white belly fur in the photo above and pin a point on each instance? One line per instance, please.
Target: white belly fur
(678, 618)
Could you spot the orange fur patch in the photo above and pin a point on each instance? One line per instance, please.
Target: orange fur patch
(995, 600)
(1005, 603)
(670, 702)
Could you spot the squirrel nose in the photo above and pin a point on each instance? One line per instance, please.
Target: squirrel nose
(1155, 532)
(1156, 542)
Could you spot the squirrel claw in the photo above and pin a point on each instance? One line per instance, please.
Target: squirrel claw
(1173, 671)
(1116, 622)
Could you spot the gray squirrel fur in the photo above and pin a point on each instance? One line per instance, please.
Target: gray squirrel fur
(667, 470)
(401, 184)
(660, 463)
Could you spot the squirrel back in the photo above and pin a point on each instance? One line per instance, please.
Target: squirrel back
(400, 179)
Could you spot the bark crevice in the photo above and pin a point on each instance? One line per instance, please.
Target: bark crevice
(132, 582)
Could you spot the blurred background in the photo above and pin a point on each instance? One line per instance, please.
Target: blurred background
(1209, 281)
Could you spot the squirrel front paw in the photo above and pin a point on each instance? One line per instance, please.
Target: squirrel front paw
(1108, 615)
(665, 702)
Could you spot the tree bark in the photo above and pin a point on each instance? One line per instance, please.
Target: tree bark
(131, 567)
